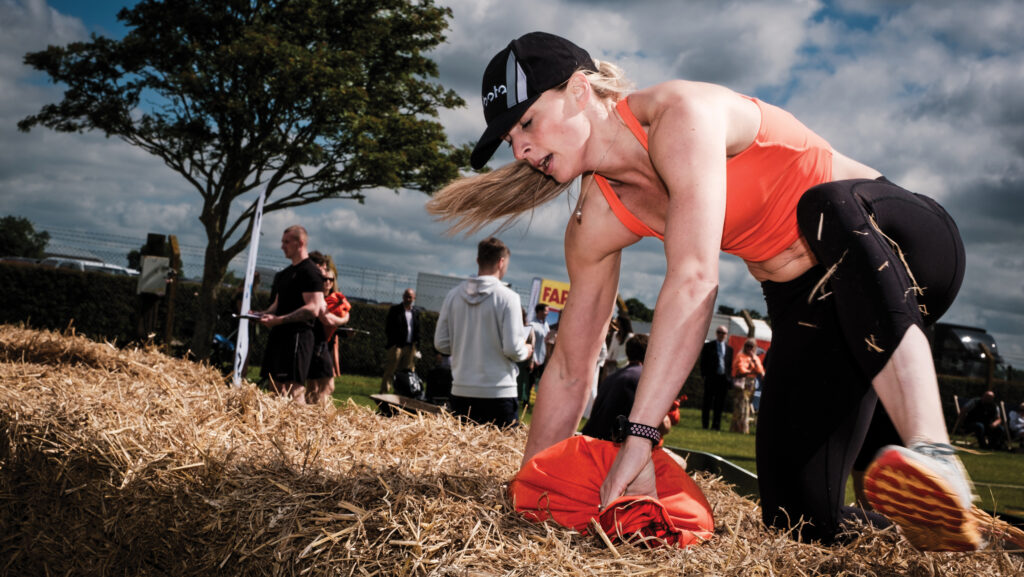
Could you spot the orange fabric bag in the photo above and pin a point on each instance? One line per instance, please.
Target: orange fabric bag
(336, 304)
(563, 483)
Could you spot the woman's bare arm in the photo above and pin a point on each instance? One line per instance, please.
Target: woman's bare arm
(592, 253)
(688, 127)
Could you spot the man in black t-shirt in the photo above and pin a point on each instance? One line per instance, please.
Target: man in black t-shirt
(298, 302)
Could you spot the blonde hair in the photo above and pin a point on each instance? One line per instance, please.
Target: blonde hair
(473, 202)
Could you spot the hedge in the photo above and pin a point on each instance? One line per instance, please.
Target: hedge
(105, 308)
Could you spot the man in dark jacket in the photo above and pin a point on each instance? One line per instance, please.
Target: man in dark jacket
(980, 416)
(402, 332)
(715, 366)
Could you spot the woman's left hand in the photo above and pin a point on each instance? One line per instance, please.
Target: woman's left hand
(632, 473)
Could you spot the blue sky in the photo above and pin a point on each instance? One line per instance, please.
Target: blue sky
(928, 93)
(99, 16)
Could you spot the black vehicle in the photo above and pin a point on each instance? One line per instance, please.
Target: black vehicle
(962, 350)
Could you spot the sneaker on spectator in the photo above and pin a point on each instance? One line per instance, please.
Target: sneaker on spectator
(925, 490)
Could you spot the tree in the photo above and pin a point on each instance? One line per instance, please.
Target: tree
(230, 279)
(639, 311)
(304, 99)
(19, 238)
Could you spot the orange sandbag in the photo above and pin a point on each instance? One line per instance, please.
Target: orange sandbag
(337, 304)
(563, 483)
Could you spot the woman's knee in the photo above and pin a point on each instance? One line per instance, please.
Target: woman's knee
(829, 199)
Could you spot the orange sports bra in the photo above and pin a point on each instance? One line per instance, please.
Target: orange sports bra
(763, 184)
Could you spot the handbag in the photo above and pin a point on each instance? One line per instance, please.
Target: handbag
(408, 384)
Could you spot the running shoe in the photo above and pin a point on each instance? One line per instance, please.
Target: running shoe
(925, 490)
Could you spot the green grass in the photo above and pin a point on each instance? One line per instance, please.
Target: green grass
(999, 476)
(356, 387)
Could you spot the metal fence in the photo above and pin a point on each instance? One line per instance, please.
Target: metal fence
(373, 285)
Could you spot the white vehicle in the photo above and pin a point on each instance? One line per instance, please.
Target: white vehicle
(87, 266)
(738, 331)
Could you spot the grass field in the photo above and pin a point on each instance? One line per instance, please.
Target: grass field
(998, 476)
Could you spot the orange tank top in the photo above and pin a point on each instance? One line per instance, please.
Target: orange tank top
(763, 184)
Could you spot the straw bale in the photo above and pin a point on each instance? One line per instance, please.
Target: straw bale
(129, 462)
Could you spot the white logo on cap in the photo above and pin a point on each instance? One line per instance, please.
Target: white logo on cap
(493, 95)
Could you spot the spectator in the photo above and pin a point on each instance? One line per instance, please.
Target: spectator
(549, 343)
(615, 394)
(715, 365)
(980, 417)
(523, 377)
(297, 303)
(326, 365)
(1016, 422)
(540, 329)
(617, 348)
(481, 326)
(746, 368)
(401, 332)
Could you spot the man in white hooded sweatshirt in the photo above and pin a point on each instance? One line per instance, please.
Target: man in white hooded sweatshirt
(481, 327)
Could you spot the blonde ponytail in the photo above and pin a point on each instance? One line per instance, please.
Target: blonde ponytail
(472, 202)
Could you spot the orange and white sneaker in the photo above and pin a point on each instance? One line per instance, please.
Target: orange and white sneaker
(925, 490)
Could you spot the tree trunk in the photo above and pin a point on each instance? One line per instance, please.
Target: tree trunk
(215, 265)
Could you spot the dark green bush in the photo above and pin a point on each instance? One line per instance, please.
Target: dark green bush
(106, 308)
(98, 305)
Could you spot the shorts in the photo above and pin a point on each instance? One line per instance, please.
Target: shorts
(322, 364)
(288, 355)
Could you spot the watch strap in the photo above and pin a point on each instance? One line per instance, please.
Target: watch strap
(625, 427)
(645, 431)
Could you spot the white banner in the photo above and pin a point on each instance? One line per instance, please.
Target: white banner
(242, 343)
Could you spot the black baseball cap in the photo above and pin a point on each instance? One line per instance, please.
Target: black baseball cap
(517, 76)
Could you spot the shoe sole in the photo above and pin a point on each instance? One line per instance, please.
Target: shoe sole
(923, 504)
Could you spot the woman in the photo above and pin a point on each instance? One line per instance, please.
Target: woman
(326, 365)
(746, 368)
(707, 169)
(523, 376)
(617, 349)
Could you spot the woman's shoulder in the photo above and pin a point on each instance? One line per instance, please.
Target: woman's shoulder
(708, 109)
(679, 93)
(593, 228)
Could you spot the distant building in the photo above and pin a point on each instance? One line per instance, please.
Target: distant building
(432, 288)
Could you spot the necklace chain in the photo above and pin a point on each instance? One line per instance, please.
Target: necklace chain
(583, 194)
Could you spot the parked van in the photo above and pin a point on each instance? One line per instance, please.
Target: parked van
(963, 350)
(87, 266)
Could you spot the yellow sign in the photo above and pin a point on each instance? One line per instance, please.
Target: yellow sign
(553, 293)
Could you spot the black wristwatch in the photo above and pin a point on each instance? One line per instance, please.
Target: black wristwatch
(624, 428)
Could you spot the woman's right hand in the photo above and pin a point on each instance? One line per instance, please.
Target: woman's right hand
(632, 473)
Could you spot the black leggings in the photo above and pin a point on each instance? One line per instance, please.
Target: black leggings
(830, 340)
